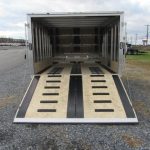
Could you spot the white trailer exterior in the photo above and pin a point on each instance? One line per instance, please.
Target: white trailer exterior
(77, 61)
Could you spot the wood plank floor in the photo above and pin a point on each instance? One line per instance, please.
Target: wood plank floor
(62, 98)
(101, 94)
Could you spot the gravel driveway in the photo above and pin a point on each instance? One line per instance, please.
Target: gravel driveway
(13, 84)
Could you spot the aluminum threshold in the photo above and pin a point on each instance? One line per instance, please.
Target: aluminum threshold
(77, 120)
(76, 93)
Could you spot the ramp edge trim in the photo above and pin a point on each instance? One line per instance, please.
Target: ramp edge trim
(19, 107)
(123, 103)
(77, 120)
(128, 96)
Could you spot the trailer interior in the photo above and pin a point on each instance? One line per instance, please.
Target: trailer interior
(76, 61)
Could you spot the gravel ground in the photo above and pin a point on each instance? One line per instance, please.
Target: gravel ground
(13, 84)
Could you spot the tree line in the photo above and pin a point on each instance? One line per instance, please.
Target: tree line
(11, 40)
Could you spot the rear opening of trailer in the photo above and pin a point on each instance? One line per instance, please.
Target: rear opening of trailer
(76, 59)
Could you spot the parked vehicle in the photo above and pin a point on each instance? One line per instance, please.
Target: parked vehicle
(132, 51)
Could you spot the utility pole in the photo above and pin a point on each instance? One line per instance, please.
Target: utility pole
(147, 34)
(126, 32)
(131, 40)
(136, 39)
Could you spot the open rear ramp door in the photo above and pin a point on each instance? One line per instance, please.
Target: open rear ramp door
(76, 93)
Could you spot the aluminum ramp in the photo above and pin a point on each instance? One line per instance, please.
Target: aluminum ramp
(76, 93)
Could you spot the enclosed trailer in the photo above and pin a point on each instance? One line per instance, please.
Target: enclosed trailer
(77, 60)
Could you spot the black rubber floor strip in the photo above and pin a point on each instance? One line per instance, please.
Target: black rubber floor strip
(98, 80)
(46, 110)
(108, 69)
(72, 62)
(95, 70)
(99, 87)
(100, 93)
(102, 101)
(40, 72)
(124, 98)
(59, 70)
(56, 70)
(54, 76)
(98, 75)
(75, 98)
(53, 81)
(53, 70)
(76, 69)
(104, 110)
(26, 101)
(52, 87)
(46, 94)
(48, 101)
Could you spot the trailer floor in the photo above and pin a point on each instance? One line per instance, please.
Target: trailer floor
(76, 93)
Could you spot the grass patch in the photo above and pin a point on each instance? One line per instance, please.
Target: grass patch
(142, 108)
(141, 57)
(133, 142)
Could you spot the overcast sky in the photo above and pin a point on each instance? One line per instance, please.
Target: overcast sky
(13, 13)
